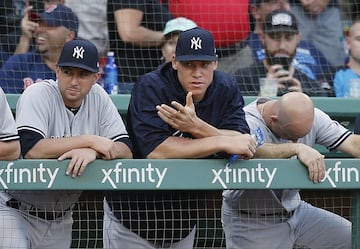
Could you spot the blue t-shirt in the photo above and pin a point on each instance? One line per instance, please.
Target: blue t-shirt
(22, 70)
(341, 81)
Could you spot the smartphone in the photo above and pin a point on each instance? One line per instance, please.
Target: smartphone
(283, 60)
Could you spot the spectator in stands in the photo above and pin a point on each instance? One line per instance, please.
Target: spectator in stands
(352, 69)
(9, 139)
(279, 37)
(320, 23)
(70, 118)
(308, 59)
(171, 34)
(29, 26)
(11, 12)
(135, 33)
(3, 56)
(188, 86)
(92, 15)
(273, 219)
(57, 25)
(227, 20)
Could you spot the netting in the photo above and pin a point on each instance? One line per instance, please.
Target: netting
(231, 22)
(87, 228)
(108, 24)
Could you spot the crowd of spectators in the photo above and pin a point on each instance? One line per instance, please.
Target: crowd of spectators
(134, 30)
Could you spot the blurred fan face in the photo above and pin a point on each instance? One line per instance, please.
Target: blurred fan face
(353, 42)
(267, 6)
(169, 46)
(281, 43)
(50, 39)
(314, 7)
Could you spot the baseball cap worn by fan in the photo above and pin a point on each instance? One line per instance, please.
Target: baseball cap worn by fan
(57, 15)
(255, 2)
(195, 45)
(79, 53)
(177, 25)
(280, 21)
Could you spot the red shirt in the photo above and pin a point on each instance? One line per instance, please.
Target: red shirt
(228, 20)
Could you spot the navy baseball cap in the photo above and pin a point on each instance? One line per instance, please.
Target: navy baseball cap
(280, 21)
(255, 2)
(57, 15)
(195, 45)
(79, 53)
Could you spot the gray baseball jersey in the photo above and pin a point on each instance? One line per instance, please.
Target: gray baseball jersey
(41, 109)
(324, 131)
(8, 130)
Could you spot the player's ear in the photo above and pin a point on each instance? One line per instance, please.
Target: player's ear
(274, 117)
(174, 63)
(71, 35)
(96, 77)
(57, 70)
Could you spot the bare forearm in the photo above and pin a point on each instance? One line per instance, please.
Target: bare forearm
(23, 45)
(128, 22)
(122, 151)
(142, 37)
(53, 148)
(203, 129)
(285, 150)
(9, 150)
(178, 147)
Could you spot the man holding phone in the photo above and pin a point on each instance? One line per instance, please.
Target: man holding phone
(280, 38)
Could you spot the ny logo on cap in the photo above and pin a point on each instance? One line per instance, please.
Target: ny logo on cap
(51, 8)
(78, 52)
(196, 43)
(281, 19)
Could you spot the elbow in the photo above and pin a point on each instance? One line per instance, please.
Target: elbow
(15, 155)
(126, 37)
(156, 155)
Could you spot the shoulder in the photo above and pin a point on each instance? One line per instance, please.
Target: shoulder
(321, 116)
(345, 71)
(97, 92)
(163, 76)
(24, 60)
(41, 88)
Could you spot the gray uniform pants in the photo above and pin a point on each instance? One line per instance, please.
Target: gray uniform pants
(308, 226)
(20, 230)
(116, 236)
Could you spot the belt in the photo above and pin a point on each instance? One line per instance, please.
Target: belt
(53, 215)
(283, 213)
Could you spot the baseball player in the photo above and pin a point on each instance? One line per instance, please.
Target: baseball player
(9, 139)
(189, 85)
(70, 118)
(280, 219)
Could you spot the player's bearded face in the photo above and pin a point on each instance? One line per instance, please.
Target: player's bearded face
(195, 76)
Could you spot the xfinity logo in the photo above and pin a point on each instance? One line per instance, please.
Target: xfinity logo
(41, 174)
(239, 175)
(124, 175)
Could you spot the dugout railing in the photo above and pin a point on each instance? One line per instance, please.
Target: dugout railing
(342, 178)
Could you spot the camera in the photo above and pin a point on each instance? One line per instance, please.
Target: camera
(281, 59)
